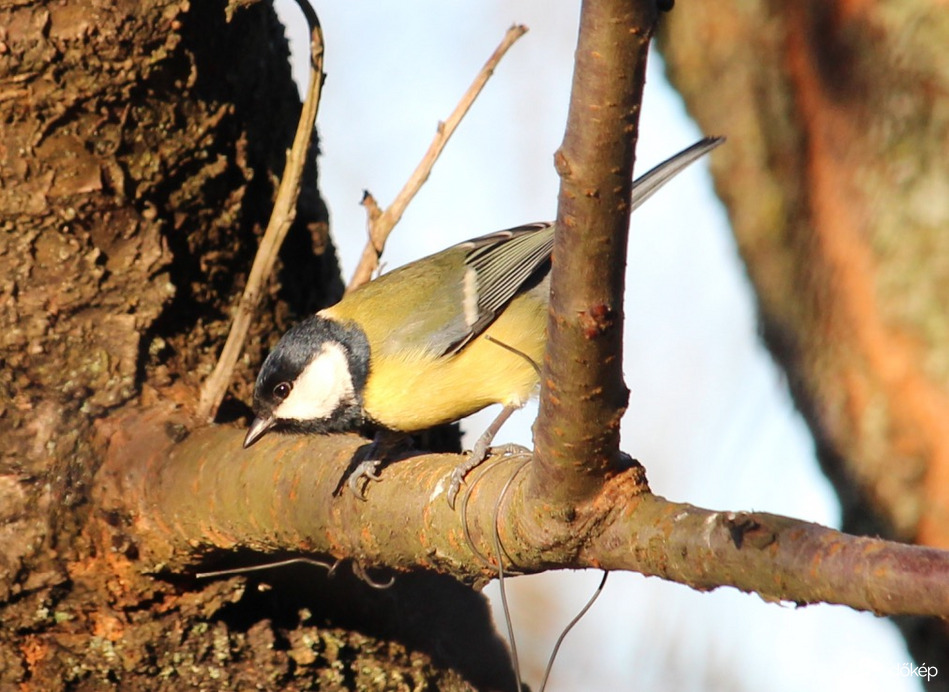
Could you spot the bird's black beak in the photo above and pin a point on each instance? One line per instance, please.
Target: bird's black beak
(258, 428)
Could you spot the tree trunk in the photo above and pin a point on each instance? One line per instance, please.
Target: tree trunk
(140, 148)
(836, 181)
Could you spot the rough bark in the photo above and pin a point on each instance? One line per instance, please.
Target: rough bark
(137, 169)
(176, 506)
(837, 184)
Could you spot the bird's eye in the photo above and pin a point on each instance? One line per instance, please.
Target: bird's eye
(282, 390)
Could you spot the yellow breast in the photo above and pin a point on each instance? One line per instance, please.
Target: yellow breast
(412, 391)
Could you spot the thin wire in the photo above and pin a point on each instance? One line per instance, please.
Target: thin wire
(268, 565)
(566, 630)
(358, 570)
(497, 549)
(362, 575)
(464, 511)
(516, 352)
(504, 604)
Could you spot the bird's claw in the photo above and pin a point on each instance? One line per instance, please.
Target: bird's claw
(368, 470)
(457, 478)
(475, 458)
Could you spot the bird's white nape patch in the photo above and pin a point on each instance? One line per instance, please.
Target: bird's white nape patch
(470, 296)
(320, 388)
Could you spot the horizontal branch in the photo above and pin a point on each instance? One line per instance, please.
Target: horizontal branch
(182, 502)
(777, 557)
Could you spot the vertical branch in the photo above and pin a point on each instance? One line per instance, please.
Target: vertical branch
(583, 396)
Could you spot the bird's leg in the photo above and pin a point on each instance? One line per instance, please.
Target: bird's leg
(480, 452)
(384, 442)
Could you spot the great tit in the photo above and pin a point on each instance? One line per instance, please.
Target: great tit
(429, 343)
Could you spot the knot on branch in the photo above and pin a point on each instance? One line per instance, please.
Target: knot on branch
(559, 533)
(745, 528)
(596, 320)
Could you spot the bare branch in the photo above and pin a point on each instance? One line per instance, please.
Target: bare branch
(373, 211)
(777, 557)
(583, 396)
(380, 226)
(184, 501)
(284, 212)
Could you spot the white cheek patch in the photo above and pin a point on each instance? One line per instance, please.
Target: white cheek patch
(322, 386)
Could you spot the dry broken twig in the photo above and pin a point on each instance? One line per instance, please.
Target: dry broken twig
(380, 225)
(284, 212)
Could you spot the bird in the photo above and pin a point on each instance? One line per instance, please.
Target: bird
(428, 343)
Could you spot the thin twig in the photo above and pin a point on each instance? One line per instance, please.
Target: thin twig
(380, 227)
(372, 206)
(284, 212)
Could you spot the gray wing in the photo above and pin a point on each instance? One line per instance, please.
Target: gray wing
(456, 293)
(497, 268)
(500, 265)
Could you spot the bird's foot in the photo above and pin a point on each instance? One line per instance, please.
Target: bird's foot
(374, 456)
(475, 458)
(366, 470)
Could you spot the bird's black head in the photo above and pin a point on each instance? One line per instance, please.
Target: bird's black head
(313, 381)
